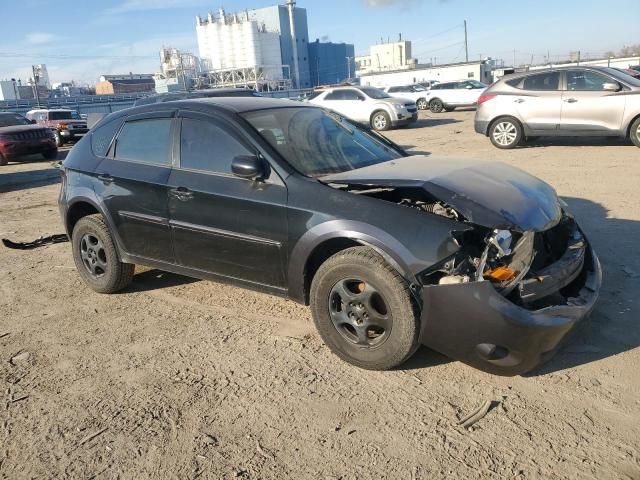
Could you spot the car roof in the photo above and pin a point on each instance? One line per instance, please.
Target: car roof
(51, 110)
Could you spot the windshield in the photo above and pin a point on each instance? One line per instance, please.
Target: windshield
(316, 142)
(374, 93)
(620, 75)
(476, 84)
(12, 119)
(67, 115)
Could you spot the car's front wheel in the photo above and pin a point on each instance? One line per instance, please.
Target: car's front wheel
(380, 121)
(634, 134)
(3, 160)
(363, 310)
(505, 133)
(422, 104)
(96, 258)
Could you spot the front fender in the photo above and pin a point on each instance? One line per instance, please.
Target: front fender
(393, 251)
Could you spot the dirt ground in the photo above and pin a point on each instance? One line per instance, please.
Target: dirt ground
(177, 378)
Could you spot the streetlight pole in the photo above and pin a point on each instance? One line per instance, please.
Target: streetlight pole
(36, 78)
(348, 68)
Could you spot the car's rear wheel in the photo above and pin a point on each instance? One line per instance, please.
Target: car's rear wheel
(634, 134)
(3, 160)
(436, 105)
(422, 104)
(380, 121)
(50, 154)
(96, 258)
(505, 133)
(363, 310)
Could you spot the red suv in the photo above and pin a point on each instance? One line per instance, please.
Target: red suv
(66, 124)
(19, 137)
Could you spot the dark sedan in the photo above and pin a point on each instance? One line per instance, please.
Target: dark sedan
(477, 260)
(18, 137)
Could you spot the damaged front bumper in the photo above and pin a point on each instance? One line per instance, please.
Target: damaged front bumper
(474, 323)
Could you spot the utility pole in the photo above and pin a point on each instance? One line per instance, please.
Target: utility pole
(514, 58)
(36, 78)
(466, 44)
(349, 69)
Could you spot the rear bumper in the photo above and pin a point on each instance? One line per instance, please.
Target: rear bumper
(475, 324)
(481, 126)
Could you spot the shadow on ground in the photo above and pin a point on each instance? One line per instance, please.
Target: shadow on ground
(156, 280)
(576, 142)
(15, 181)
(433, 122)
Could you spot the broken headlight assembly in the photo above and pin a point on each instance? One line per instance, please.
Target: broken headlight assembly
(499, 256)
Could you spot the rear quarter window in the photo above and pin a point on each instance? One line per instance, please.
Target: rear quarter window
(102, 137)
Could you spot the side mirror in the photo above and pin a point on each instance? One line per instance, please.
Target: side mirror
(32, 122)
(362, 99)
(250, 167)
(611, 87)
(468, 87)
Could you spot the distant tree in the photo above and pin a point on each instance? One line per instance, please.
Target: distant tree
(630, 50)
(609, 54)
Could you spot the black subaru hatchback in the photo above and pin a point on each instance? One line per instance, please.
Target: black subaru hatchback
(477, 260)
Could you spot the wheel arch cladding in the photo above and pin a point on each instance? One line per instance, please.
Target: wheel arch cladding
(326, 239)
(628, 129)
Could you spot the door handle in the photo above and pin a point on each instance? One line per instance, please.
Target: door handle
(106, 179)
(571, 100)
(519, 100)
(181, 193)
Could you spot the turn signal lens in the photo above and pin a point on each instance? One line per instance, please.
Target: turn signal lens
(501, 274)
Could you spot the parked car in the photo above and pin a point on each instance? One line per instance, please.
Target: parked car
(368, 105)
(450, 95)
(66, 124)
(568, 101)
(416, 92)
(478, 260)
(18, 136)
(205, 93)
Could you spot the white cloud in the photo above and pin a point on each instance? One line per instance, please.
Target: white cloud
(38, 38)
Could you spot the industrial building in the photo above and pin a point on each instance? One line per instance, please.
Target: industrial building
(121, 84)
(8, 90)
(386, 56)
(331, 62)
(266, 45)
(481, 71)
(178, 71)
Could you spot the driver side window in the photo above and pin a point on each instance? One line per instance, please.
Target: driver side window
(585, 80)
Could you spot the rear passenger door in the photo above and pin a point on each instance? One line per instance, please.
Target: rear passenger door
(540, 103)
(587, 107)
(221, 223)
(132, 180)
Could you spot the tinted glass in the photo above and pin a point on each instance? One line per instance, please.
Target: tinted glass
(102, 135)
(625, 77)
(374, 93)
(317, 143)
(64, 116)
(335, 95)
(585, 80)
(11, 119)
(206, 146)
(147, 141)
(351, 95)
(514, 82)
(542, 81)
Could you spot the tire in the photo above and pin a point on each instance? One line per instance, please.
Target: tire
(3, 160)
(364, 311)
(505, 133)
(50, 154)
(422, 104)
(380, 121)
(634, 132)
(58, 139)
(436, 105)
(449, 109)
(96, 258)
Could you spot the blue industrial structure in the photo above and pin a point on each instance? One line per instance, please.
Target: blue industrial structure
(331, 63)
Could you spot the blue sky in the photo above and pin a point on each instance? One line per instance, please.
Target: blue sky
(82, 39)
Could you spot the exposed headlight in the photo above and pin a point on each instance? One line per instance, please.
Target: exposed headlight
(504, 266)
(397, 107)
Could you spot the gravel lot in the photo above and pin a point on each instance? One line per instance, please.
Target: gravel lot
(177, 378)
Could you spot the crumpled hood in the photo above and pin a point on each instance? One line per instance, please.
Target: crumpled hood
(491, 194)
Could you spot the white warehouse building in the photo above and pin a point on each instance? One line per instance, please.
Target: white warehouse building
(235, 41)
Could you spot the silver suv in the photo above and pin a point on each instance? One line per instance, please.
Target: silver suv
(568, 101)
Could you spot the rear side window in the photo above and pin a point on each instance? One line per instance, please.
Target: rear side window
(147, 141)
(206, 146)
(514, 82)
(542, 81)
(102, 136)
(585, 80)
